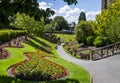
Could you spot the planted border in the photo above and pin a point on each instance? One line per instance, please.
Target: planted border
(37, 68)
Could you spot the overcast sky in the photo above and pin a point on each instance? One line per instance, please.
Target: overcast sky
(71, 12)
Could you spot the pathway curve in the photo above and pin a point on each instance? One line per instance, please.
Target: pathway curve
(103, 71)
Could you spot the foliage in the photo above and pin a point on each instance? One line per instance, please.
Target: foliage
(61, 23)
(83, 30)
(66, 37)
(7, 35)
(29, 7)
(90, 40)
(50, 27)
(29, 24)
(82, 17)
(107, 23)
(99, 41)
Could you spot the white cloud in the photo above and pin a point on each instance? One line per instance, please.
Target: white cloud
(44, 5)
(70, 14)
(92, 15)
(50, 4)
(64, 9)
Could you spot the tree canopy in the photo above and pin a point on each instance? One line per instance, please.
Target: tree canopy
(29, 7)
(61, 22)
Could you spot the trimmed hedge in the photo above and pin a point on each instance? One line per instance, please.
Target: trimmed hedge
(7, 35)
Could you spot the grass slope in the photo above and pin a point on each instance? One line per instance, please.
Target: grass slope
(77, 73)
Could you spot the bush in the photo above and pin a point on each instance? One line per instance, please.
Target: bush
(79, 36)
(90, 40)
(83, 30)
(7, 35)
(98, 41)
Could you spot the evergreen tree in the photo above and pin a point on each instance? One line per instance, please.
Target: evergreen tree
(82, 17)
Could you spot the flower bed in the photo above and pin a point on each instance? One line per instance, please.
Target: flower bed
(37, 68)
(3, 53)
(15, 43)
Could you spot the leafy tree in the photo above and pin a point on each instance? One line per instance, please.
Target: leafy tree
(50, 27)
(60, 22)
(82, 17)
(28, 23)
(83, 30)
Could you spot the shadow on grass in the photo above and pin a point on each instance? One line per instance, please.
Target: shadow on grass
(39, 47)
(6, 79)
(41, 42)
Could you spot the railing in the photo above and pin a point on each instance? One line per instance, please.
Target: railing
(106, 51)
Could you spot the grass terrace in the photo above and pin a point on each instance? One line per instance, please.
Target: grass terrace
(66, 37)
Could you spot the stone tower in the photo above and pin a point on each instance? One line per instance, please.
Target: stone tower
(106, 3)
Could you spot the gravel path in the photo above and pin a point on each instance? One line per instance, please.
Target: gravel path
(106, 70)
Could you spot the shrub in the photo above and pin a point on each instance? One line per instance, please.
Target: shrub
(83, 30)
(98, 41)
(7, 35)
(90, 40)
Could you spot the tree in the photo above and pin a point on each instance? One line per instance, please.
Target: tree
(82, 17)
(29, 24)
(61, 22)
(29, 7)
(70, 2)
(107, 23)
(83, 30)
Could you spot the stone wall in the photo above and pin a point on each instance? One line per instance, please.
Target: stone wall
(106, 3)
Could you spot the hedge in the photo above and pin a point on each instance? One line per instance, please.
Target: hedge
(7, 35)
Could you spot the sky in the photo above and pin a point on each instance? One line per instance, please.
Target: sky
(71, 12)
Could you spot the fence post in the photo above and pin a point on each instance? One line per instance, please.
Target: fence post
(92, 55)
(101, 53)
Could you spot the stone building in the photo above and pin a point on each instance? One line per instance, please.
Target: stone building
(106, 3)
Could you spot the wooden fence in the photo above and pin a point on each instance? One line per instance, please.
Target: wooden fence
(106, 51)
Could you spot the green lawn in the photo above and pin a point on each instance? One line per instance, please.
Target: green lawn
(16, 55)
(77, 74)
(67, 37)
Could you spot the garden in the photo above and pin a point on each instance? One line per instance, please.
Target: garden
(28, 42)
(36, 62)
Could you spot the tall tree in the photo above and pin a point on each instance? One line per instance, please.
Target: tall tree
(82, 17)
(61, 22)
